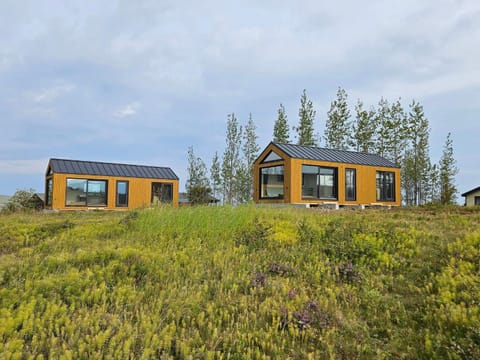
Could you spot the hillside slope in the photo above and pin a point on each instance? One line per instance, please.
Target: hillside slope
(245, 282)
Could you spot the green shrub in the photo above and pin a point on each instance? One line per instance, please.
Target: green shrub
(240, 282)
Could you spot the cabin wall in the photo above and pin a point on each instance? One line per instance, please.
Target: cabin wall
(365, 183)
(139, 193)
(470, 198)
(287, 175)
(286, 186)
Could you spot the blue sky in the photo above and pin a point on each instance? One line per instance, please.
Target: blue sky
(141, 81)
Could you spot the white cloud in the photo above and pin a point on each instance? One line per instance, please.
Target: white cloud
(23, 167)
(47, 95)
(129, 110)
(75, 69)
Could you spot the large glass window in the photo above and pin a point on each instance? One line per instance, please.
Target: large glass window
(83, 192)
(271, 182)
(350, 184)
(319, 182)
(385, 186)
(162, 193)
(122, 194)
(49, 192)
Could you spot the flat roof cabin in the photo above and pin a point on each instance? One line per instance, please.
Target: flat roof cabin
(314, 176)
(81, 185)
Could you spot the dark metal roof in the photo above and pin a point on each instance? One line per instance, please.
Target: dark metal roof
(471, 191)
(332, 155)
(79, 167)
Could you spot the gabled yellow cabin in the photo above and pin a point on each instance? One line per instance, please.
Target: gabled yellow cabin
(314, 176)
(82, 185)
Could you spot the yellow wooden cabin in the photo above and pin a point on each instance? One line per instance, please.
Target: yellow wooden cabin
(82, 185)
(314, 176)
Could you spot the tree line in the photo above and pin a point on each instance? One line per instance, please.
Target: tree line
(230, 178)
(387, 129)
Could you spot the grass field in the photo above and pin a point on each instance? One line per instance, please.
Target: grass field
(241, 283)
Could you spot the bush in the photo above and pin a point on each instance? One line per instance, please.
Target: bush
(22, 200)
(240, 282)
(199, 195)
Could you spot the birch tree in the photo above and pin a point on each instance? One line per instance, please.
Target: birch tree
(215, 177)
(198, 189)
(447, 171)
(363, 129)
(231, 162)
(337, 127)
(281, 130)
(305, 130)
(250, 150)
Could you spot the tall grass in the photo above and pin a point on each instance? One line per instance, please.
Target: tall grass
(243, 282)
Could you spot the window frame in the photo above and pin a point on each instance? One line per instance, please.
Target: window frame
(86, 193)
(261, 184)
(268, 159)
(381, 186)
(127, 193)
(318, 185)
(162, 184)
(354, 198)
(49, 191)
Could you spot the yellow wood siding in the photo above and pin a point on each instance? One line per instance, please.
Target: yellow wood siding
(256, 178)
(365, 181)
(139, 191)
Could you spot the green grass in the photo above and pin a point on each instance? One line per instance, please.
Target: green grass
(241, 283)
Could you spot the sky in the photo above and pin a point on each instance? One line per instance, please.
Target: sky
(141, 81)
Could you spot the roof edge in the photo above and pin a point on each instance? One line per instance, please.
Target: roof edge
(111, 163)
(471, 191)
(393, 165)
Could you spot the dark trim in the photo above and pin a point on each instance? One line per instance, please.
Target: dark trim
(86, 196)
(382, 191)
(127, 193)
(335, 185)
(161, 183)
(47, 198)
(260, 183)
(354, 184)
(471, 191)
(264, 161)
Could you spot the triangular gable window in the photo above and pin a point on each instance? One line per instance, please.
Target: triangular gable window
(272, 156)
(50, 171)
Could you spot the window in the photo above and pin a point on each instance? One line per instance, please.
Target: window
(271, 182)
(83, 192)
(272, 156)
(122, 194)
(476, 200)
(49, 192)
(162, 193)
(350, 184)
(319, 182)
(385, 186)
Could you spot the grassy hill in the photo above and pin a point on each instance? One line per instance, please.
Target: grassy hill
(245, 282)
